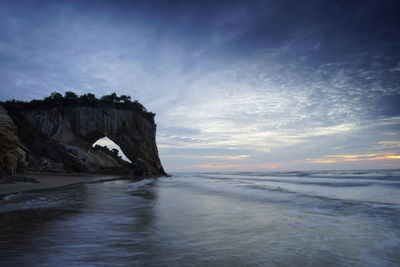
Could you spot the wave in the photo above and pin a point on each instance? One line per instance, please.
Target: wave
(354, 186)
(380, 175)
(134, 186)
(321, 197)
(320, 183)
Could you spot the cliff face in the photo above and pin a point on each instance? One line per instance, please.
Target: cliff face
(13, 155)
(64, 136)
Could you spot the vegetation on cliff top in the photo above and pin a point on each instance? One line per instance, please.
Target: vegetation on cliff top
(70, 99)
(111, 152)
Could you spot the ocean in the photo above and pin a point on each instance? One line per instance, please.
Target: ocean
(316, 218)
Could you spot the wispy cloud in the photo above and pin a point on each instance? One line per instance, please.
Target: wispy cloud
(236, 157)
(211, 166)
(389, 144)
(361, 157)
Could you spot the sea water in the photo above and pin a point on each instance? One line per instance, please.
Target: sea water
(319, 218)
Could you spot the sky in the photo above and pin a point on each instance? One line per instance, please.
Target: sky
(236, 85)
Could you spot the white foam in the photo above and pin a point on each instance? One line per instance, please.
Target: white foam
(11, 197)
(135, 185)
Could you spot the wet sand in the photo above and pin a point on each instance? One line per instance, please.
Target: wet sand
(54, 180)
(319, 218)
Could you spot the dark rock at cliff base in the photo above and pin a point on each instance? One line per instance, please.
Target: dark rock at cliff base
(13, 155)
(61, 138)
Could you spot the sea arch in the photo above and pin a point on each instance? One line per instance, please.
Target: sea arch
(82, 126)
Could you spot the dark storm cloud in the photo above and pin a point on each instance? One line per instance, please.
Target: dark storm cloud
(325, 29)
(258, 24)
(321, 31)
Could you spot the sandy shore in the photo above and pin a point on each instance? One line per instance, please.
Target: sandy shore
(53, 180)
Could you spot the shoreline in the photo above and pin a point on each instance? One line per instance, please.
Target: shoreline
(48, 181)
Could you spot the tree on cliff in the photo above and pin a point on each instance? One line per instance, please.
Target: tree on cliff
(125, 99)
(109, 99)
(54, 97)
(70, 98)
(89, 99)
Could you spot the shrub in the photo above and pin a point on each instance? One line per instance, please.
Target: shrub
(70, 98)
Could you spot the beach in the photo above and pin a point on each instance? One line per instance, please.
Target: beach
(320, 218)
(47, 180)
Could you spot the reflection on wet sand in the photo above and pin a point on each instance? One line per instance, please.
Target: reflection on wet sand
(213, 219)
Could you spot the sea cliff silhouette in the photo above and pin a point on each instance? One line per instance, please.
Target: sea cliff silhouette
(57, 134)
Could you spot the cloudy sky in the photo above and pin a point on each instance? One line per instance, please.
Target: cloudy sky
(236, 85)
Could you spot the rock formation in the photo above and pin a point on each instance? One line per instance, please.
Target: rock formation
(62, 137)
(13, 155)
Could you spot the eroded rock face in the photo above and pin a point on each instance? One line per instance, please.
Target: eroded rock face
(13, 155)
(65, 135)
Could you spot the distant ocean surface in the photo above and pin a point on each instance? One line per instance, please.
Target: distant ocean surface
(319, 218)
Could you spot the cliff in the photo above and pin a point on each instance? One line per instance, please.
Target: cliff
(13, 155)
(61, 138)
